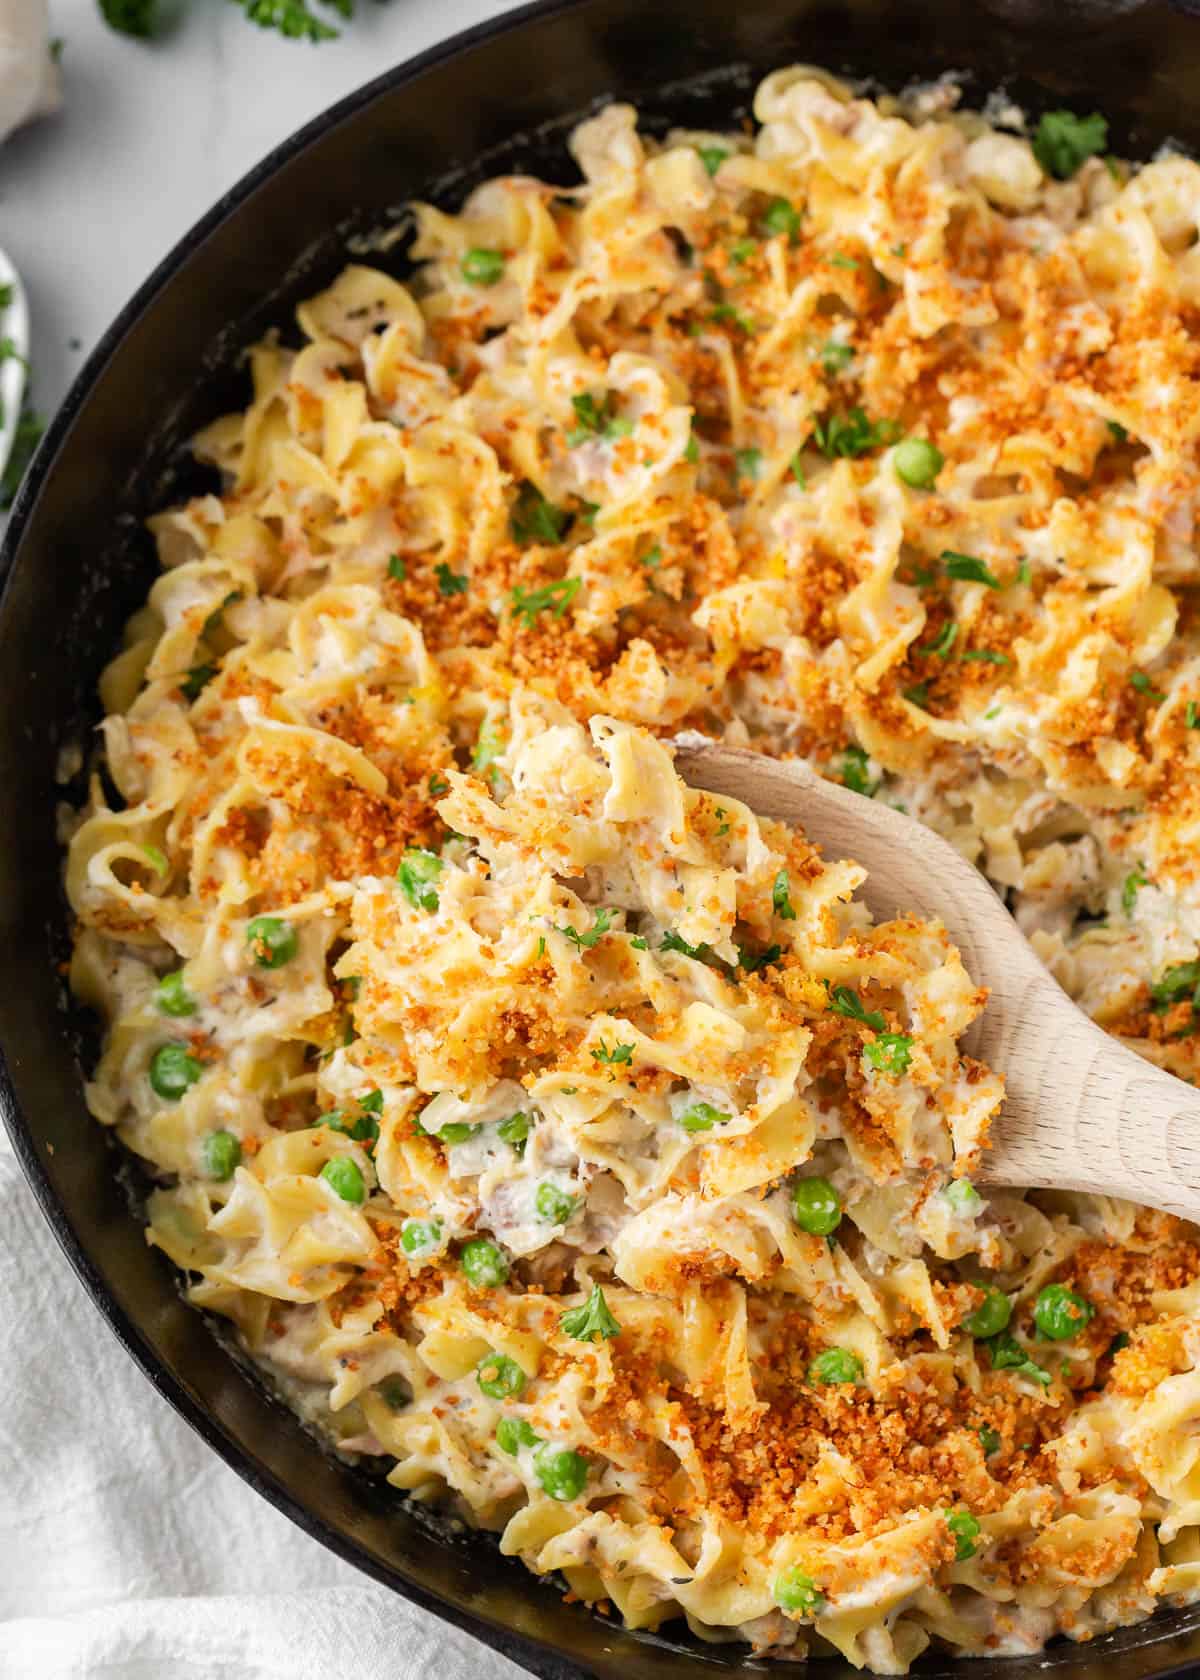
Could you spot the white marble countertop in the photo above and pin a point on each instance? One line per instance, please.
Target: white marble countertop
(152, 133)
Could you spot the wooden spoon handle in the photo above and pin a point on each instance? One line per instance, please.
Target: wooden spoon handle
(1082, 1111)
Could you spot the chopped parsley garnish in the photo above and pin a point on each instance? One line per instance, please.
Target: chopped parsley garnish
(850, 435)
(840, 260)
(780, 898)
(988, 656)
(416, 874)
(1063, 141)
(585, 941)
(835, 357)
(488, 747)
(1007, 1354)
(781, 216)
(197, 679)
(138, 18)
(1145, 685)
(748, 463)
(855, 772)
(534, 519)
(712, 157)
(591, 1322)
(691, 452)
(594, 418)
(968, 568)
(917, 695)
(672, 941)
(844, 1000)
(652, 559)
(725, 312)
(751, 961)
(619, 1054)
(1191, 715)
(1119, 433)
(889, 1053)
(742, 250)
(438, 785)
(1175, 984)
(448, 582)
(554, 598)
(796, 468)
(990, 1440)
(944, 642)
(396, 567)
(1130, 887)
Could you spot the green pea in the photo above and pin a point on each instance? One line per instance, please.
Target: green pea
(554, 1204)
(273, 940)
(500, 1377)
(835, 1365)
(485, 1264)
(965, 1529)
(395, 1393)
(963, 1196)
(702, 1117)
(515, 1130)
(420, 1237)
(481, 267)
(1060, 1313)
(514, 1433)
(172, 997)
(918, 463)
(172, 1069)
(561, 1472)
(991, 1315)
(798, 1593)
(222, 1153)
(816, 1206)
(457, 1131)
(343, 1175)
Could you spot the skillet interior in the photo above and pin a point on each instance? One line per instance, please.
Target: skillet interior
(76, 562)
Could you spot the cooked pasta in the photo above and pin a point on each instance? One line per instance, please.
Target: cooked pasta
(569, 1143)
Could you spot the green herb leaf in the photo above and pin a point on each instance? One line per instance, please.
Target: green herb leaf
(591, 1322)
(396, 568)
(855, 772)
(944, 642)
(967, 568)
(1130, 887)
(1064, 141)
(1145, 685)
(619, 1054)
(781, 216)
(780, 898)
(844, 1000)
(138, 18)
(850, 435)
(987, 656)
(448, 582)
(585, 941)
(534, 519)
(712, 157)
(554, 598)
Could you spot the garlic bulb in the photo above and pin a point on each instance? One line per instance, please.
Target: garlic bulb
(29, 80)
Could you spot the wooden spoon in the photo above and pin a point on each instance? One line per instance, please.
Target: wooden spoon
(1082, 1111)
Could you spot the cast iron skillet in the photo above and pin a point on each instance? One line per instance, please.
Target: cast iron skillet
(499, 98)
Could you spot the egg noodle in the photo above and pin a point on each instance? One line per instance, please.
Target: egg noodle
(569, 1142)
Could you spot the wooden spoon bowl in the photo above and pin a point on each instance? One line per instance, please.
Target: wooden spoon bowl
(1082, 1111)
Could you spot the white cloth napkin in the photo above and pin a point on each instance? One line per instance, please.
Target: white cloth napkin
(129, 1551)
